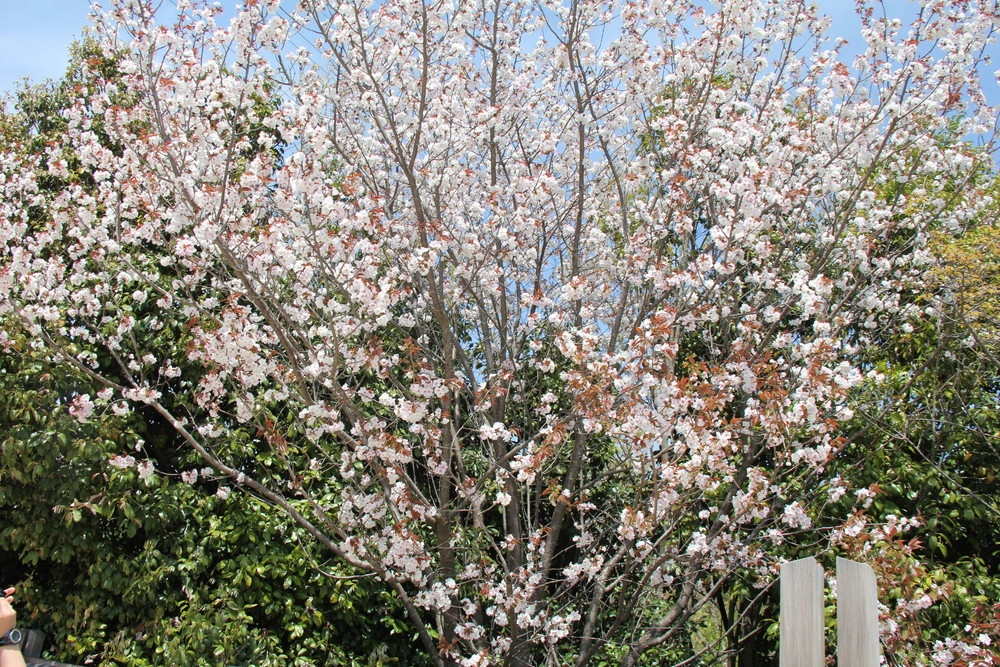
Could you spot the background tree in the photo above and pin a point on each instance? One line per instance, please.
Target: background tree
(555, 389)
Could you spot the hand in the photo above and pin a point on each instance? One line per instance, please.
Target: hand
(8, 617)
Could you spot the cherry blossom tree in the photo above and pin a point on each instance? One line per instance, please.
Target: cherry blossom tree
(546, 313)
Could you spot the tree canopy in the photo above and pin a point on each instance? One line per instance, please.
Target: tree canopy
(558, 319)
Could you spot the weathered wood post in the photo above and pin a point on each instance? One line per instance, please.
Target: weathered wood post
(802, 629)
(857, 615)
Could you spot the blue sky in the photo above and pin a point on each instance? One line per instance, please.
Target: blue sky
(34, 34)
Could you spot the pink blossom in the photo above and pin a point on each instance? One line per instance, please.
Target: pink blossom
(82, 408)
(145, 470)
(122, 462)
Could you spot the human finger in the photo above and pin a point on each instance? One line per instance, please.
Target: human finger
(8, 616)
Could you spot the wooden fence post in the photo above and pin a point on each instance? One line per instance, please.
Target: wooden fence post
(857, 615)
(802, 628)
